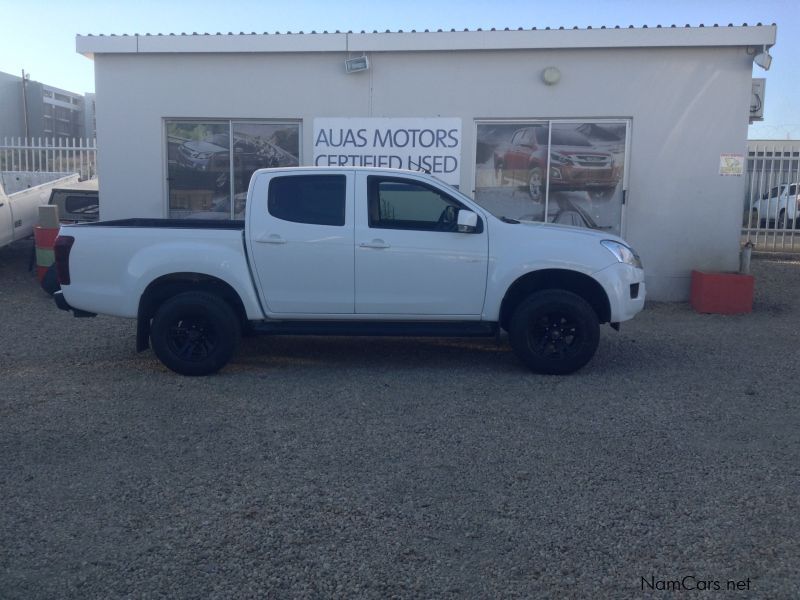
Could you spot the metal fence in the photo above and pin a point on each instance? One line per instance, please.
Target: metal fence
(74, 155)
(771, 215)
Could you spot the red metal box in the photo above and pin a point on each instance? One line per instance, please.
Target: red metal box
(722, 293)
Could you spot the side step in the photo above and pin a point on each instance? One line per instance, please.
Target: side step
(379, 328)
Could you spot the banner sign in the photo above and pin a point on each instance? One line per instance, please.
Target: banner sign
(418, 144)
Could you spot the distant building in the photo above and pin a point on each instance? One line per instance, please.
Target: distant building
(34, 109)
(89, 122)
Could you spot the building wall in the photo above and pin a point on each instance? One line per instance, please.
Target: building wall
(34, 92)
(62, 113)
(687, 106)
(11, 122)
(89, 125)
(52, 112)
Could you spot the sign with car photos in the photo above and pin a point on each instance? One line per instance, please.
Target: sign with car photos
(564, 172)
(205, 181)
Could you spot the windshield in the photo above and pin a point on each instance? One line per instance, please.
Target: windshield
(569, 138)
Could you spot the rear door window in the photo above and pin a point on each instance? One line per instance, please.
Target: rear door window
(311, 199)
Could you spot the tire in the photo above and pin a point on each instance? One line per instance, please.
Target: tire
(554, 332)
(536, 185)
(754, 222)
(50, 281)
(195, 333)
(780, 222)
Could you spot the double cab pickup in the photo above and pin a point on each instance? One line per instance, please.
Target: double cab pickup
(351, 251)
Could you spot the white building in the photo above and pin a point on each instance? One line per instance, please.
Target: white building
(634, 130)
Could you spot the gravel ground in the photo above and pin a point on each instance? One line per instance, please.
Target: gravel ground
(380, 468)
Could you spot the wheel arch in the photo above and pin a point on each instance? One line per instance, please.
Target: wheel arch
(167, 286)
(580, 284)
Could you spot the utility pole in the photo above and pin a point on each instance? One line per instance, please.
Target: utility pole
(25, 103)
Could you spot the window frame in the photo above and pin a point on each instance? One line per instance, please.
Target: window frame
(542, 127)
(231, 123)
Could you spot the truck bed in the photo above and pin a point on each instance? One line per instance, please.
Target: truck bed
(113, 261)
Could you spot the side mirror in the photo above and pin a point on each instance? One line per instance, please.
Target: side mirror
(467, 221)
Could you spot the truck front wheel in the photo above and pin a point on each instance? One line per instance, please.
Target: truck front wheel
(536, 185)
(195, 333)
(554, 332)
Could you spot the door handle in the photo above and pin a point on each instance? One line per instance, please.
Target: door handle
(375, 244)
(273, 238)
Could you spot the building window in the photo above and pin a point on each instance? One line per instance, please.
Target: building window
(205, 179)
(566, 172)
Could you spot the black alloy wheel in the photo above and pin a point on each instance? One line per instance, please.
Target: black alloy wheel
(195, 333)
(192, 339)
(536, 185)
(554, 332)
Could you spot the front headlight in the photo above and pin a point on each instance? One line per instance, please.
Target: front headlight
(625, 254)
(560, 159)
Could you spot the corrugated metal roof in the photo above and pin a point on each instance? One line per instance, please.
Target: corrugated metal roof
(430, 41)
(325, 32)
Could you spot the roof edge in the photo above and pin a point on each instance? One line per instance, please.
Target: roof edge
(519, 39)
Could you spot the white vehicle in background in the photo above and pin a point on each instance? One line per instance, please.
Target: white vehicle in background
(21, 195)
(778, 208)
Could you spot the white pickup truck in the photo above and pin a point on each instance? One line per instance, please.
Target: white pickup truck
(351, 251)
(21, 195)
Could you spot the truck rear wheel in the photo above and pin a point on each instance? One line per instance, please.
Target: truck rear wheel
(554, 332)
(195, 333)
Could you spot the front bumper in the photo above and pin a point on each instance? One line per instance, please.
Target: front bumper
(625, 287)
(576, 177)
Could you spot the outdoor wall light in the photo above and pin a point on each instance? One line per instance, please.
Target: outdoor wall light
(551, 76)
(354, 65)
(763, 59)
